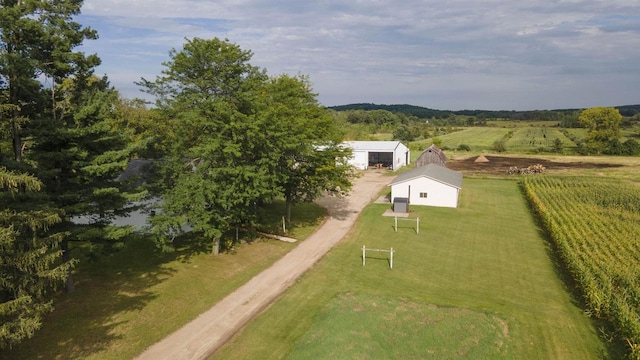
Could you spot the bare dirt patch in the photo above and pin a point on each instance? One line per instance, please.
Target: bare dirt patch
(498, 165)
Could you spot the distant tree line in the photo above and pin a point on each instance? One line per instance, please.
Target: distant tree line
(560, 115)
(411, 110)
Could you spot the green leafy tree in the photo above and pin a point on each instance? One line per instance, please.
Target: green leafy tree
(145, 127)
(30, 270)
(557, 145)
(221, 163)
(603, 127)
(404, 133)
(500, 145)
(238, 140)
(307, 142)
(631, 147)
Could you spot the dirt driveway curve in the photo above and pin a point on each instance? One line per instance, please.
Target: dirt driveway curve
(204, 335)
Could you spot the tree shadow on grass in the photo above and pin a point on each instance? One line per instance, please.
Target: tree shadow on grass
(337, 207)
(303, 215)
(86, 321)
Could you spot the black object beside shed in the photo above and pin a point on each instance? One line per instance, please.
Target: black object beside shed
(401, 204)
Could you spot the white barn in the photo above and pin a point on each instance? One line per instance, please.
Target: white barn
(387, 154)
(430, 185)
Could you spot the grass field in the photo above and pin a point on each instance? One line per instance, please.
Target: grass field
(125, 302)
(479, 139)
(477, 282)
(522, 123)
(527, 139)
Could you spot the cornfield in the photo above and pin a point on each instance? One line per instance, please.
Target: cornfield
(595, 225)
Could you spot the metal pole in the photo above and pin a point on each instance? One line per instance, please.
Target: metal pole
(363, 254)
(391, 263)
(395, 224)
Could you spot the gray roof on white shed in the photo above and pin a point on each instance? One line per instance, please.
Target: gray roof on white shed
(373, 145)
(431, 171)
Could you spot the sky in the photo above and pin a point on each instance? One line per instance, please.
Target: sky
(447, 55)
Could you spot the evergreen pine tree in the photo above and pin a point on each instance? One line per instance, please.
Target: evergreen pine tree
(30, 267)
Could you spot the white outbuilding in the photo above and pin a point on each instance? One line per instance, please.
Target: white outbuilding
(430, 185)
(380, 154)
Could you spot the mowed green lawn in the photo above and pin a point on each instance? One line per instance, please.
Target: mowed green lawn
(477, 282)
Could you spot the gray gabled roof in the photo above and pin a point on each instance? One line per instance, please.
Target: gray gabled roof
(373, 145)
(136, 168)
(431, 171)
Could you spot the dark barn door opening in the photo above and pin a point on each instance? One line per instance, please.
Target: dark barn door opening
(380, 159)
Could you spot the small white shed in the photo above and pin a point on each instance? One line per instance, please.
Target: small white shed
(382, 154)
(430, 185)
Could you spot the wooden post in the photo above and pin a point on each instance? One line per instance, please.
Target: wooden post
(391, 262)
(417, 225)
(395, 224)
(363, 254)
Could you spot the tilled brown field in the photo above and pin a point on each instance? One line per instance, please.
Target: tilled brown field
(498, 165)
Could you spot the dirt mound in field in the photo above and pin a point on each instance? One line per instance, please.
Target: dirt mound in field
(481, 159)
(498, 165)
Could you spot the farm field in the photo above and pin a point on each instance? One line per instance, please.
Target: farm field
(522, 137)
(522, 123)
(527, 139)
(595, 224)
(497, 165)
(479, 139)
(477, 282)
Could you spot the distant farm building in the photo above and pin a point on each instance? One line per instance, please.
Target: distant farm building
(378, 154)
(432, 155)
(430, 185)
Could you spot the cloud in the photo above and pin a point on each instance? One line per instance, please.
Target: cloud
(439, 54)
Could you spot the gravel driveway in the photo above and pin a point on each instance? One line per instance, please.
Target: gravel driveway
(205, 334)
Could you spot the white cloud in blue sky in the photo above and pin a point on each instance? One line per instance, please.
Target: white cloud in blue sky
(490, 54)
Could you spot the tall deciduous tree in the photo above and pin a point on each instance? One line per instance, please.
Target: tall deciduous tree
(311, 159)
(220, 163)
(30, 270)
(239, 139)
(603, 126)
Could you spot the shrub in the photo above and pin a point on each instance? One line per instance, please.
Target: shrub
(631, 147)
(557, 145)
(500, 145)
